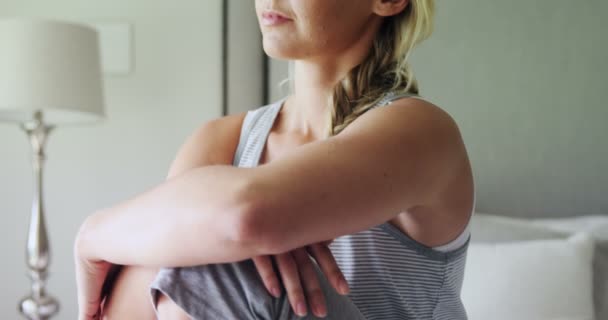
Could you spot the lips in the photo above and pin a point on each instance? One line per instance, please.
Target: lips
(273, 18)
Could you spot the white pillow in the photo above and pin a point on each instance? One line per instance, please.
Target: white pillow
(530, 280)
(597, 226)
(491, 229)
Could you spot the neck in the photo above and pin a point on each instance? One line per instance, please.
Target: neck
(314, 82)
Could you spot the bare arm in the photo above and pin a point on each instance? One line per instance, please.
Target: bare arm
(192, 219)
(214, 143)
(389, 160)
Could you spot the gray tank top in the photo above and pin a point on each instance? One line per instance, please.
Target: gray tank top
(391, 276)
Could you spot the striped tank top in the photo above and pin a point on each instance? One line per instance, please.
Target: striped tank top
(391, 276)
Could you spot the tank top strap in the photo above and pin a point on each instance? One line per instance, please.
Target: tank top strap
(258, 123)
(391, 96)
(254, 132)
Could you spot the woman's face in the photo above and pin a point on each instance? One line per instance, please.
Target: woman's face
(304, 29)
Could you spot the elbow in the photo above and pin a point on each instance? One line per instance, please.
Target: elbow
(252, 229)
(85, 238)
(80, 243)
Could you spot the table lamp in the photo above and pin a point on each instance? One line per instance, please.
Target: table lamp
(50, 75)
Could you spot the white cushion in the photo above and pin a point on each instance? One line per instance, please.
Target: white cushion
(490, 228)
(597, 226)
(530, 280)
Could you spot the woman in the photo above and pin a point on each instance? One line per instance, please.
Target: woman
(352, 155)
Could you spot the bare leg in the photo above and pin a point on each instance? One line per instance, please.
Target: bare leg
(130, 296)
(168, 310)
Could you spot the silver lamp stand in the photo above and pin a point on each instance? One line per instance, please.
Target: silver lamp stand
(52, 67)
(38, 305)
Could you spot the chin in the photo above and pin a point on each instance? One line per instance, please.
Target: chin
(282, 50)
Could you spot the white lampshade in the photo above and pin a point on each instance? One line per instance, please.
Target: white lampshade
(49, 66)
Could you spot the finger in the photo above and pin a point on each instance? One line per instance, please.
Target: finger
(89, 312)
(330, 267)
(327, 242)
(310, 281)
(90, 277)
(90, 308)
(269, 277)
(291, 280)
(87, 307)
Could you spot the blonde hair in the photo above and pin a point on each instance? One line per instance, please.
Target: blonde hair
(386, 67)
(384, 70)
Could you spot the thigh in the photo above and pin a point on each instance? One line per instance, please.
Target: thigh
(235, 291)
(128, 297)
(168, 310)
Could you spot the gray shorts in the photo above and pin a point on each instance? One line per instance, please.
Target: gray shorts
(234, 291)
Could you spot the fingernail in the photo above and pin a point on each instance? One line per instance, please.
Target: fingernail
(343, 287)
(301, 309)
(320, 310)
(276, 292)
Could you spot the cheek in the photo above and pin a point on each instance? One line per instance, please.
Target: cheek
(323, 25)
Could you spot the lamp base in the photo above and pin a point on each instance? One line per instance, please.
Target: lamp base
(42, 308)
(38, 305)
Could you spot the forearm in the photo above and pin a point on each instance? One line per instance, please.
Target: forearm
(192, 219)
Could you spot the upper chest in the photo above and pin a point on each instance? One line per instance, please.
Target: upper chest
(278, 145)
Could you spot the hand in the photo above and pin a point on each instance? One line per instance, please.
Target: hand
(296, 270)
(90, 279)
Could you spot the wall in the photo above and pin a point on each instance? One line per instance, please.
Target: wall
(245, 85)
(175, 87)
(526, 81)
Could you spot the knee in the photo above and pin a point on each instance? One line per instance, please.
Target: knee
(168, 310)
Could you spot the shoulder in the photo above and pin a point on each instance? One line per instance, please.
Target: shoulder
(212, 143)
(410, 118)
(427, 138)
(215, 141)
(427, 129)
(419, 132)
(423, 125)
(421, 107)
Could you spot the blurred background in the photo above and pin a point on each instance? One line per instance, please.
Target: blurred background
(525, 80)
